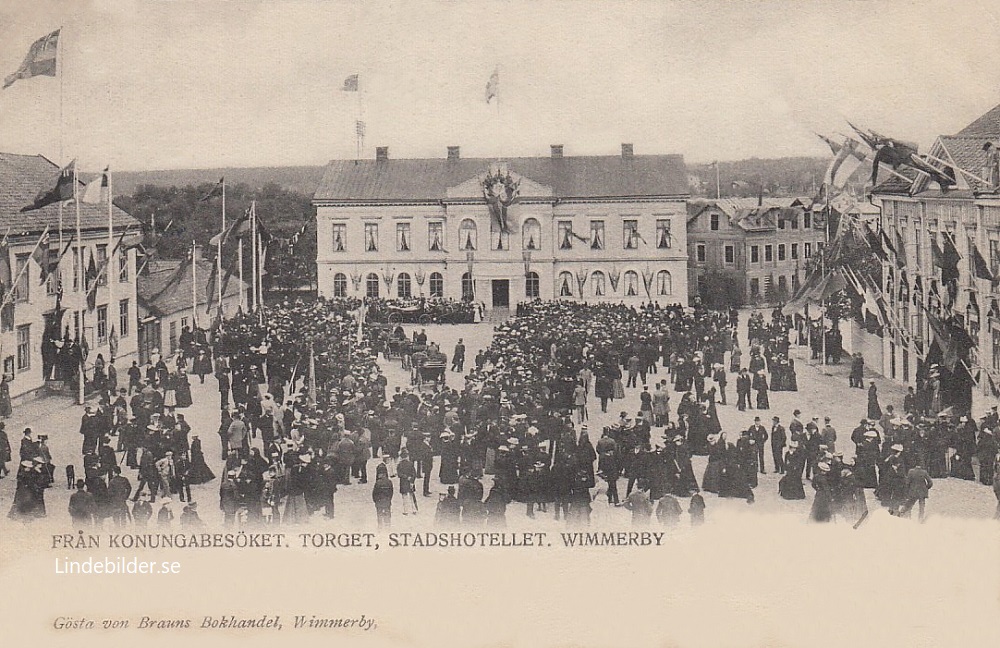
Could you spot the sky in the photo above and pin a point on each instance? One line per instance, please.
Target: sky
(155, 84)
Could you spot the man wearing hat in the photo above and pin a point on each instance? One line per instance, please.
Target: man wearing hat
(829, 435)
(759, 435)
(82, 508)
(778, 439)
(918, 485)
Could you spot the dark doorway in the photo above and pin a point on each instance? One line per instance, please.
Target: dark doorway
(501, 293)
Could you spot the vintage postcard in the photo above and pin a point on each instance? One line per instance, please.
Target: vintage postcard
(499, 324)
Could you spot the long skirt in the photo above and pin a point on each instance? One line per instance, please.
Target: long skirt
(617, 390)
(790, 487)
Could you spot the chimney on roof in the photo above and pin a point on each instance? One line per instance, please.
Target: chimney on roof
(381, 153)
(557, 150)
(626, 151)
(454, 152)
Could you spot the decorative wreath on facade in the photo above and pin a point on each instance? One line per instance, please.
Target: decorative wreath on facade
(500, 191)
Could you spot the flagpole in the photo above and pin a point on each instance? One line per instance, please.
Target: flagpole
(253, 253)
(83, 303)
(59, 61)
(218, 251)
(718, 185)
(822, 262)
(111, 271)
(239, 262)
(194, 284)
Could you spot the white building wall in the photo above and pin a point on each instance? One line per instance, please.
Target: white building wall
(30, 313)
(509, 264)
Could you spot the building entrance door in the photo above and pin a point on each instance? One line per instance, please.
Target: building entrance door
(501, 293)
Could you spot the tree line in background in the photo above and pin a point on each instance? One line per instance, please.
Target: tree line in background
(174, 216)
(779, 177)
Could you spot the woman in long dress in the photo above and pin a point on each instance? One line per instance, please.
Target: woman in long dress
(711, 481)
(448, 472)
(199, 472)
(170, 393)
(822, 506)
(874, 409)
(760, 384)
(790, 485)
(182, 389)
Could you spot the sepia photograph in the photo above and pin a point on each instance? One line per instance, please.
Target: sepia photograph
(500, 323)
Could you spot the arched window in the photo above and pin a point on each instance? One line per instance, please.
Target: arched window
(437, 284)
(468, 287)
(631, 284)
(566, 282)
(664, 283)
(404, 289)
(598, 284)
(371, 285)
(467, 235)
(531, 234)
(340, 285)
(531, 286)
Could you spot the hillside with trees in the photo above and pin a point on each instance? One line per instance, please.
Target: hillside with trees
(173, 217)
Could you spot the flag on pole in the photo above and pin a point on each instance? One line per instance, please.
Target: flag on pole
(96, 191)
(40, 60)
(238, 228)
(91, 282)
(351, 83)
(846, 161)
(63, 190)
(980, 268)
(40, 254)
(55, 264)
(942, 337)
(359, 127)
(493, 85)
(215, 191)
(6, 272)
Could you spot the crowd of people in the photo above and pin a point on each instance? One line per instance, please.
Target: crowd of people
(306, 410)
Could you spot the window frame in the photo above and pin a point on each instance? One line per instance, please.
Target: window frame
(438, 291)
(339, 231)
(23, 352)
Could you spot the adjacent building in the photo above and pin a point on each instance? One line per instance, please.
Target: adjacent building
(167, 293)
(758, 246)
(595, 228)
(917, 214)
(38, 313)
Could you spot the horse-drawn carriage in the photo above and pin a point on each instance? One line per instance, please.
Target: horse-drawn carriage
(431, 373)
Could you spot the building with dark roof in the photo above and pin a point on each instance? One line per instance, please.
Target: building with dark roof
(167, 293)
(759, 247)
(918, 213)
(600, 228)
(42, 313)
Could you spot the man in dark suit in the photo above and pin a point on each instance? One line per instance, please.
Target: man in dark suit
(743, 383)
(778, 439)
(918, 485)
(759, 434)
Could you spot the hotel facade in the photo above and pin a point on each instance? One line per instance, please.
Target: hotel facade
(593, 228)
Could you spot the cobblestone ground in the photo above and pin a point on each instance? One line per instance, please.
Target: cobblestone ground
(822, 392)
